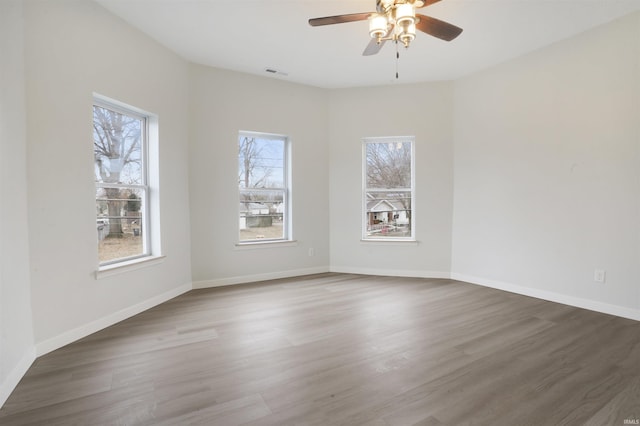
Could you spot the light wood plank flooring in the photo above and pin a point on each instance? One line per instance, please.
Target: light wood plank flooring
(339, 349)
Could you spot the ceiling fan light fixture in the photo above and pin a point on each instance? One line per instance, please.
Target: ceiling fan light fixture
(407, 34)
(405, 14)
(377, 25)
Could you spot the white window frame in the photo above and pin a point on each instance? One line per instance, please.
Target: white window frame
(149, 174)
(365, 189)
(287, 227)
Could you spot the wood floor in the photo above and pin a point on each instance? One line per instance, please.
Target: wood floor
(337, 349)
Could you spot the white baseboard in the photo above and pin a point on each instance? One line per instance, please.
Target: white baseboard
(16, 375)
(70, 336)
(242, 279)
(391, 272)
(578, 302)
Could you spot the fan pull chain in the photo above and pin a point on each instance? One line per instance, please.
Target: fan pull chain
(397, 59)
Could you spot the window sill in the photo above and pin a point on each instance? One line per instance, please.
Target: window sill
(265, 244)
(127, 266)
(390, 242)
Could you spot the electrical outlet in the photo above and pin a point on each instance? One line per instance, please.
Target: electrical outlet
(599, 275)
(311, 252)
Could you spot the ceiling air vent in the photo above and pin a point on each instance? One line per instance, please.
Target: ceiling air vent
(275, 71)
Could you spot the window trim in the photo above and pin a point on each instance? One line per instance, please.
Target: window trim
(287, 227)
(363, 217)
(149, 202)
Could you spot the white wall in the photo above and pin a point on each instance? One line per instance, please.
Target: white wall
(547, 171)
(223, 103)
(420, 110)
(16, 332)
(72, 49)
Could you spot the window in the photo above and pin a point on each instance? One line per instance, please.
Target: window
(263, 183)
(388, 189)
(120, 143)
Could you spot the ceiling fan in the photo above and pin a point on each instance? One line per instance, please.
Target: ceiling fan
(395, 20)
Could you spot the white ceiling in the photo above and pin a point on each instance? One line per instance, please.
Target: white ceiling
(252, 35)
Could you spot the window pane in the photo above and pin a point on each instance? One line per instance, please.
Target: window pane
(388, 165)
(117, 141)
(262, 185)
(388, 214)
(261, 214)
(119, 223)
(388, 188)
(261, 162)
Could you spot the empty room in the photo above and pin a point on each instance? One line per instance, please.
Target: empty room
(306, 212)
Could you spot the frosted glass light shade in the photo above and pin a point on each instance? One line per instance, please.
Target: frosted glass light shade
(377, 25)
(405, 14)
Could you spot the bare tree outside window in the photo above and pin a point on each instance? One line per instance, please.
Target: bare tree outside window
(389, 165)
(388, 196)
(118, 148)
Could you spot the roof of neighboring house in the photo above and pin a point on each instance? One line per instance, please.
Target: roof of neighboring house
(380, 206)
(251, 206)
(374, 206)
(247, 207)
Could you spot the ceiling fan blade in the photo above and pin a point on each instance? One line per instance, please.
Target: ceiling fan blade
(339, 19)
(437, 28)
(373, 47)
